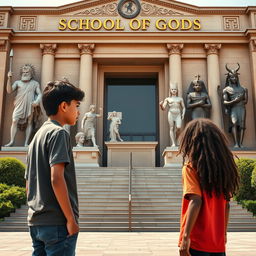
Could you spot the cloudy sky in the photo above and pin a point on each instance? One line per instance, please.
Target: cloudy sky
(63, 2)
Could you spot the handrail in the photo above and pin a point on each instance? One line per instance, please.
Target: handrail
(130, 193)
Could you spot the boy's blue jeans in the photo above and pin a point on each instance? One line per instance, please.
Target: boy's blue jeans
(52, 241)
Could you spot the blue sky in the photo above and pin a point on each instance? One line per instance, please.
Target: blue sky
(63, 2)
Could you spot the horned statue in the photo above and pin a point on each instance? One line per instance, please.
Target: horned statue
(235, 98)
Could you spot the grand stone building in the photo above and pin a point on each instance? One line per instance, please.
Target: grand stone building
(124, 54)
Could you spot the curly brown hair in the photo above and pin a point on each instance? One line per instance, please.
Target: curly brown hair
(205, 146)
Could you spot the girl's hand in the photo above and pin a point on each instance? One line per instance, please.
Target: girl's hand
(184, 247)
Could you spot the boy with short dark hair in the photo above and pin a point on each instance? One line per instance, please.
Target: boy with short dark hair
(51, 181)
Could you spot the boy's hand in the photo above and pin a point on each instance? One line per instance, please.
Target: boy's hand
(184, 247)
(72, 227)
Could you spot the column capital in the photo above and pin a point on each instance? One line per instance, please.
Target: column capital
(174, 48)
(48, 48)
(86, 48)
(212, 48)
(253, 45)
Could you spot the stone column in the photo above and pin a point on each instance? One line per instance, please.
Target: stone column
(4, 50)
(175, 65)
(253, 71)
(213, 72)
(85, 78)
(47, 73)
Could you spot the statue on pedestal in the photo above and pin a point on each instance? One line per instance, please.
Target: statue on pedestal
(89, 123)
(176, 112)
(235, 98)
(198, 99)
(26, 103)
(114, 126)
(80, 138)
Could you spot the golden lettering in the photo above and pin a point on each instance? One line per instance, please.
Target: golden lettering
(197, 24)
(84, 24)
(93, 24)
(161, 26)
(145, 24)
(70, 25)
(186, 24)
(118, 26)
(106, 22)
(138, 24)
(62, 24)
(171, 21)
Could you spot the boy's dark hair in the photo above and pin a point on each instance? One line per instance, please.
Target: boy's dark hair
(57, 92)
(205, 147)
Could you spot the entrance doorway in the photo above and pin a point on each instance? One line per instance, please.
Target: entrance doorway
(136, 99)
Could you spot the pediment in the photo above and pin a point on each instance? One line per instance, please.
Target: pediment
(107, 8)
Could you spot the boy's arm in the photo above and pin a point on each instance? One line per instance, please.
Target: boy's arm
(193, 211)
(60, 190)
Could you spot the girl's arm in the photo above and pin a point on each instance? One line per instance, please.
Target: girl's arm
(193, 211)
(226, 219)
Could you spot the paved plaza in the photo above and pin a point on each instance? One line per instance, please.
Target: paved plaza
(126, 244)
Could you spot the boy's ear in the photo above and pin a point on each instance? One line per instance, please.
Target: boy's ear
(63, 106)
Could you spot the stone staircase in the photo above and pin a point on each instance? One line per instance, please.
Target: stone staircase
(156, 202)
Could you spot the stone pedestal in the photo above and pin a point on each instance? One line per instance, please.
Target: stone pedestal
(17, 152)
(143, 154)
(88, 156)
(170, 157)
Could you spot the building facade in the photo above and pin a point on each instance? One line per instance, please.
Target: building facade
(124, 55)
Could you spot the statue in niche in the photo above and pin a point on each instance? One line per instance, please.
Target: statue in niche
(114, 126)
(26, 104)
(175, 114)
(235, 98)
(80, 138)
(89, 123)
(198, 99)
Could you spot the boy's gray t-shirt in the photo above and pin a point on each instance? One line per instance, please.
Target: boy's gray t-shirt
(50, 145)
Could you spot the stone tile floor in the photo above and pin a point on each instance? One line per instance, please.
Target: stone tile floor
(126, 244)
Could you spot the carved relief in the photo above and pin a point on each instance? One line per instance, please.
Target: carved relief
(231, 23)
(2, 19)
(104, 10)
(154, 10)
(212, 48)
(28, 23)
(3, 45)
(253, 45)
(48, 48)
(175, 48)
(86, 48)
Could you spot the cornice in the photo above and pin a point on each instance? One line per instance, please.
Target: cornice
(129, 37)
(8, 9)
(165, 3)
(250, 33)
(250, 9)
(6, 33)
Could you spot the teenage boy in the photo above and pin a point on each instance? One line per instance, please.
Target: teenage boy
(50, 175)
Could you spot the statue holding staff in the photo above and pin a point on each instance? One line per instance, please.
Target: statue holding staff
(26, 103)
(235, 97)
(175, 114)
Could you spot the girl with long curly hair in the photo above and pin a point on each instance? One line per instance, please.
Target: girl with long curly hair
(210, 178)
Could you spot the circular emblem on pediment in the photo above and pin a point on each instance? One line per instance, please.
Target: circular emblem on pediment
(129, 9)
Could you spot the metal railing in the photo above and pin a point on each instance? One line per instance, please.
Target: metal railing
(130, 193)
